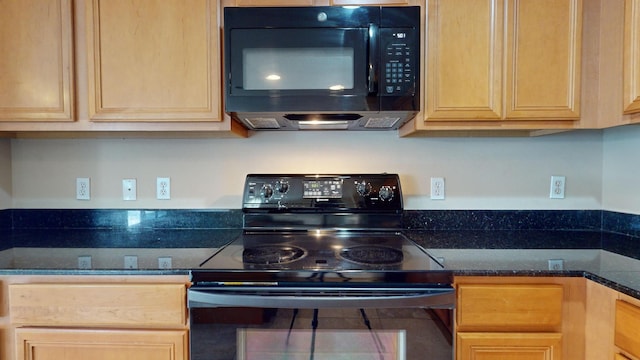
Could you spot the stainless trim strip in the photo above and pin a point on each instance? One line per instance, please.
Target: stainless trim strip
(318, 298)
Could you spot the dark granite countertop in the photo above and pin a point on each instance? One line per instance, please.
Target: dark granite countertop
(609, 259)
(57, 251)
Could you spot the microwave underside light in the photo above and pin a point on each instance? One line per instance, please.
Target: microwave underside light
(322, 122)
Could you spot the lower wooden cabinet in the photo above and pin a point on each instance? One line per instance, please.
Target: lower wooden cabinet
(72, 344)
(626, 328)
(97, 318)
(509, 346)
(519, 318)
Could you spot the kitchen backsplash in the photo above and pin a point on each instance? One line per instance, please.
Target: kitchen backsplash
(620, 223)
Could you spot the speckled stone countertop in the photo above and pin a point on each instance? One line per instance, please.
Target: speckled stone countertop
(609, 259)
(599, 245)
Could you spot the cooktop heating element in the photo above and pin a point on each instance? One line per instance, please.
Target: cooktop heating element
(267, 255)
(372, 255)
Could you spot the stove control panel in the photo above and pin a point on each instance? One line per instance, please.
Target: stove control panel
(322, 193)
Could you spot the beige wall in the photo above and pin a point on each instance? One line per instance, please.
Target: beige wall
(621, 169)
(5, 174)
(480, 173)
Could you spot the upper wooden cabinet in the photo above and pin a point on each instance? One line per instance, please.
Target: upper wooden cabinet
(36, 60)
(632, 56)
(503, 59)
(153, 60)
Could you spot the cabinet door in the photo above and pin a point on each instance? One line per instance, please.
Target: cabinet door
(153, 60)
(509, 346)
(66, 344)
(464, 60)
(631, 56)
(543, 59)
(36, 58)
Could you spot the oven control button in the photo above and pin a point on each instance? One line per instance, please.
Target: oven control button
(363, 188)
(266, 191)
(282, 186)
(385, 193)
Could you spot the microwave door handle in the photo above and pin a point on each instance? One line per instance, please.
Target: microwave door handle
(373, 58)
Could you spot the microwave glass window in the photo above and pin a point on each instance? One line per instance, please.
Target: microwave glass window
(298, 68)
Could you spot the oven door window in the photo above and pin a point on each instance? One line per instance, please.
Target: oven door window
(343, 333)
(299, 62)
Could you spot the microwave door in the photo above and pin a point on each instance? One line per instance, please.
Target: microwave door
(293, 70)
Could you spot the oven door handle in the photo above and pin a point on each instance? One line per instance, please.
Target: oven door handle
(436, 298)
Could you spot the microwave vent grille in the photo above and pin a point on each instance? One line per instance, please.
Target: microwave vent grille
(263, 123)
(381, 122)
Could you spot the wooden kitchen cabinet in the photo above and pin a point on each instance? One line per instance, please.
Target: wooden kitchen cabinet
(153, 60)
(509, 346)
(502, 64)
(631, 56)
(626, 337)
(70, 344)
(36, 60)
(93, 317)
(519, 318)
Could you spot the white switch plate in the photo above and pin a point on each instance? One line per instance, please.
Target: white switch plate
(130, 262)
(557, 187)
(129, 189)
(437, 188)
(83, 189)
(163, 188)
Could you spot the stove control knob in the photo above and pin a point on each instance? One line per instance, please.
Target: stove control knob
(363, 188)
(266, 191)
(386, 193)
(282, 186)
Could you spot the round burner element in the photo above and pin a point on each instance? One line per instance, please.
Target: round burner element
(372, 255)
(272, 254)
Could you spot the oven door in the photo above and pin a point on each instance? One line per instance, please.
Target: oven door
(319, 323)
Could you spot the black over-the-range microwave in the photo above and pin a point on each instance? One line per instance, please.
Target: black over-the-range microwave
(295, 68)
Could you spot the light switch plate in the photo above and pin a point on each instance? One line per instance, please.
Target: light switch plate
(129, 189)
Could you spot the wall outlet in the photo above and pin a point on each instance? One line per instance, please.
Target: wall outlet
(163, 188)
(129, 189)
(164, 262)
(130, 262)
(557, 187)
(83, 189)
(84, 262)
(437, 188)
(556, 264)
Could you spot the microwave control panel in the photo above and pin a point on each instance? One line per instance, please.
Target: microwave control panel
(399, 61)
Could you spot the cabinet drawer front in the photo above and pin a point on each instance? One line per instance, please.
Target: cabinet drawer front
(122, 305)
(627, 325)
(490, 307)
(45, 344)
(514, 346)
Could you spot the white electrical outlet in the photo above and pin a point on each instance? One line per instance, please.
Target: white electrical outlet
(129, 189)
(437, 188)
(84, 262)
(83, 189)
(557, 187)
(164, 262)
(163, 188)
(130, 262)
(556, 264)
